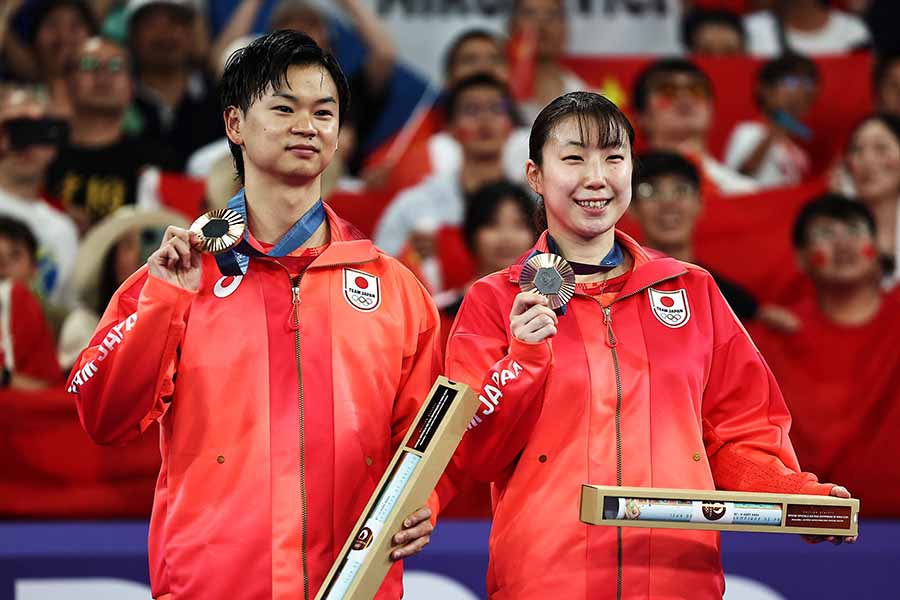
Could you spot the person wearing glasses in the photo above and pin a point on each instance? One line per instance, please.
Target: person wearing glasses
(673, 100)
(100, 167)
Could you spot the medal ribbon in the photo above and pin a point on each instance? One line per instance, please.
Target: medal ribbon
(235, 261)
(613, 259)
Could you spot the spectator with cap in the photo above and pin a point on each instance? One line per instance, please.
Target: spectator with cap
(27, 349)
(886, 84)
(176, 102)
(100, 168)
(713, 33)
(808, 27)
(667, 203)
(840, 371)
(673, 99)
(769, 150)
(481, 117)
(28, 144)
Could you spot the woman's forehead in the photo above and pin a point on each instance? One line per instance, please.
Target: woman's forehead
(589, 131)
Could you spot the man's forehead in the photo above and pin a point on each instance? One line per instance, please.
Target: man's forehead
(301, 79)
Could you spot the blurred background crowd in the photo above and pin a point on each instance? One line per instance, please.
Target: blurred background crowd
(768, 152)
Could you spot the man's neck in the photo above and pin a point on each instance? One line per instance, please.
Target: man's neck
(25, 189)
(274, 206)
(169, 86)
(682, 251)
(851, 305)
(476, 172)
(94, 130)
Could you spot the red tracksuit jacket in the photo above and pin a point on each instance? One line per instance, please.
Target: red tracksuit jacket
(659, 386)
(280, 403)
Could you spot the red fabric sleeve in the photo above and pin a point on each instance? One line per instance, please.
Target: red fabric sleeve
(745, 418)
(123, 379)
(34, 349)
(508, 375)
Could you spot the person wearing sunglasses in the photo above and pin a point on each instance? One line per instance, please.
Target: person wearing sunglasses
(99, 169)
(673, 99)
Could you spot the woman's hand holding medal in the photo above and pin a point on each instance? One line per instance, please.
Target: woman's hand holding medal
(531, 319)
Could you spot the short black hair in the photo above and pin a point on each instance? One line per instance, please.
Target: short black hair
(700, 17)
(666, 66)
(881, 67)
(777, 69)
(834, 206)
(450, 55)
(591, 109)
(483, 204)
(264, 63)
(657, 163)
(18, 232)
(43, 8)
(451, 103)
(890, 121)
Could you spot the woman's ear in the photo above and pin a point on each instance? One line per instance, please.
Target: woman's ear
(234, 118)
(534, 177)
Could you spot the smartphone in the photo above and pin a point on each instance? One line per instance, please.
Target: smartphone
(26, 132)
(792, 125)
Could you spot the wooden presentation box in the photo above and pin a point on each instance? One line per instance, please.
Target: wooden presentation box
(405, 486)
(719, 510)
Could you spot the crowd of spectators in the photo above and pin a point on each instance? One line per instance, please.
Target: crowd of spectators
(111, 129)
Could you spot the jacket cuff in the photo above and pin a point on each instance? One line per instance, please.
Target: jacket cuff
(539, 352)
(157, 291)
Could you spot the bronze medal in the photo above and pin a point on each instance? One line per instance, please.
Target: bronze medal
(219, 230)
(551, 276)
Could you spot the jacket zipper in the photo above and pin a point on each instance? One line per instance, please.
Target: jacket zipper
(295, 326)
(612, 341)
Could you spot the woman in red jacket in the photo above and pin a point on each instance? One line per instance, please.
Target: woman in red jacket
(647, 379)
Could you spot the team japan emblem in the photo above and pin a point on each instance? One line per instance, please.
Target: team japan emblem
(361, 290)
(670, 308)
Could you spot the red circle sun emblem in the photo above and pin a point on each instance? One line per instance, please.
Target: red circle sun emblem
(667, 302)
(361, 283)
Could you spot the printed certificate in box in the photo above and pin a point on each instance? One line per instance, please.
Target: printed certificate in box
(719, 510)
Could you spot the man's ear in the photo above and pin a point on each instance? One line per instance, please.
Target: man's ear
(534, 177)
(234, 120)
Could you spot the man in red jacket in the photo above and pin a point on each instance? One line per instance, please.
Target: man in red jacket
(282, 388)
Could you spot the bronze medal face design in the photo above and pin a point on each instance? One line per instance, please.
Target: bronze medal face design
(551, 276)
(219, 230)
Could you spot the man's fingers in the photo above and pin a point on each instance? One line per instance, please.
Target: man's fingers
(411, 548)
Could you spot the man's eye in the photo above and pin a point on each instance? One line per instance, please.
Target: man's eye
(324, 113)
(572, 157)
(284, 109)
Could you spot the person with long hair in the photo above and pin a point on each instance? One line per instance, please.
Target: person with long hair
(645, 379)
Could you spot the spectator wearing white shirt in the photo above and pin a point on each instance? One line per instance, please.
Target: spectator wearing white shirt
(808, 27)
(673, 99)
(481, 116)
(767, 149)
(713, 33)
(24, 158)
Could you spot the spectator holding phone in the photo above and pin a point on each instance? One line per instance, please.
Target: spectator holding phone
(769, 150)
(28, 142)
(100, 169)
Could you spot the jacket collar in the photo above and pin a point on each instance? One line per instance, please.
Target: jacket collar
(646, 272)
(348, 245)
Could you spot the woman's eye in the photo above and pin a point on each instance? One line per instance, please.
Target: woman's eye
(615, 157)
(572, 157)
